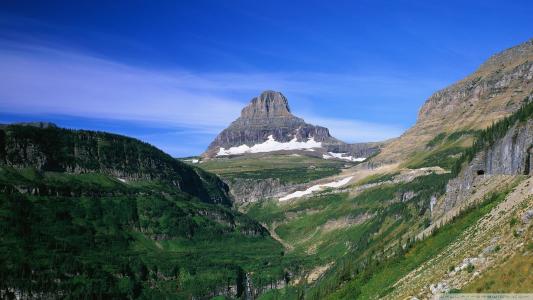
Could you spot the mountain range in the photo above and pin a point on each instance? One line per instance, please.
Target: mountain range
(277, 208)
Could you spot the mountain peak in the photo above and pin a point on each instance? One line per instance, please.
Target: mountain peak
(269, 104)
(267, 124)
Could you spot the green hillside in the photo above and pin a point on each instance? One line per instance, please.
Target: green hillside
(70, 226)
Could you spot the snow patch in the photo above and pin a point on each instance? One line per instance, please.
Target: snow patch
(122, 180)
(316, 188)
(343, 156)
(271, 145)
(193, 161)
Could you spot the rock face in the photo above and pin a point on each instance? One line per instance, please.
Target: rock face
(269, 118)
(510, 155)
(494, 91)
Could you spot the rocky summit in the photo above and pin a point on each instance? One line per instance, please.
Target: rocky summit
(266, 124)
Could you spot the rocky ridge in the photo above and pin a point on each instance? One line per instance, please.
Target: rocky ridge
(495, 90)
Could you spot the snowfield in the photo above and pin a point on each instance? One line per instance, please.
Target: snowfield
(343, 157)
(271, 145)
(316, 188)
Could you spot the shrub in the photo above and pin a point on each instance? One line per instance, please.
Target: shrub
(470, 268)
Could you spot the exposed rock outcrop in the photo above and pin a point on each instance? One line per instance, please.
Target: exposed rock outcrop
(246, 190)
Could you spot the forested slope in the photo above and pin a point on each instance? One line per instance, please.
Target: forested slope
(94, 215)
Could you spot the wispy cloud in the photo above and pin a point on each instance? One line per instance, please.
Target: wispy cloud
(38, 80)
(45, 80)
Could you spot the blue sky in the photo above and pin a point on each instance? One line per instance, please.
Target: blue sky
(175, 73)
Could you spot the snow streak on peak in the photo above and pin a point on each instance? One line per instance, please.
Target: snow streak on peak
(271, 145)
